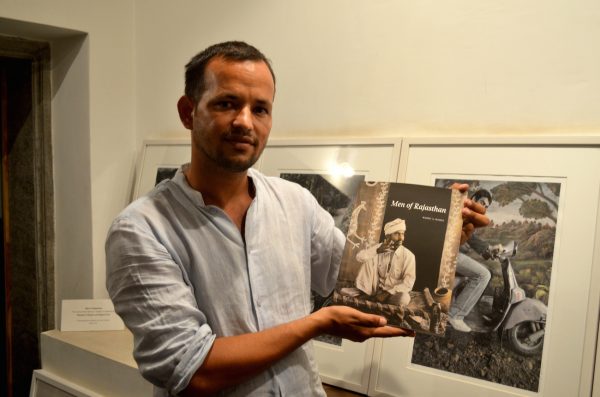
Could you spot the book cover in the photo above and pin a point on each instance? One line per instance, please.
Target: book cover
(400, 254)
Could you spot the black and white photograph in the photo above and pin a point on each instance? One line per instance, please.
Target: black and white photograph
(163, 173)
(400, 251)
(497, 319)
(333, 192)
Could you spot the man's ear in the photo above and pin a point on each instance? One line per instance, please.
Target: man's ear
(185, 107)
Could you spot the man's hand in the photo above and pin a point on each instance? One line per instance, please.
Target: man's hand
(473, 214)
(355, 325)
(388, 245)
(232, 359)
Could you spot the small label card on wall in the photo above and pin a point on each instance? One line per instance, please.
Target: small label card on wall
(89, 315)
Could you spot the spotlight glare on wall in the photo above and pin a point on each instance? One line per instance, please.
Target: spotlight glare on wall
(341, 170)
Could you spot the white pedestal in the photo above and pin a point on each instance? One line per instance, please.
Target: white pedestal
(90, 363)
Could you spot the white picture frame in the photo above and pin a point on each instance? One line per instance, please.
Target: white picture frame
(45, 383)
(347, 366)
(571, 341)
(159, 153)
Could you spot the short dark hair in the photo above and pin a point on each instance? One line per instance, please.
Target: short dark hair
(229, 51)
(482, 193)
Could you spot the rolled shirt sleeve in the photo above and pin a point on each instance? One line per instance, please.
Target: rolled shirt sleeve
(148, 289)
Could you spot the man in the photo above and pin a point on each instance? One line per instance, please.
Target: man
(478, 276)
(388, 272)
(212, 270)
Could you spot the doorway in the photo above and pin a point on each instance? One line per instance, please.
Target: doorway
(27, 298)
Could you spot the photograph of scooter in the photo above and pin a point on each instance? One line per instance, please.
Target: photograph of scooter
(500, 297)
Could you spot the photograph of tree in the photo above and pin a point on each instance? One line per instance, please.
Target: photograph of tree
(334, 194)
(499, 336)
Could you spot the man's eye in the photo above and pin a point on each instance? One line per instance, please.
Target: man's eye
(224, 105)
(261, 110)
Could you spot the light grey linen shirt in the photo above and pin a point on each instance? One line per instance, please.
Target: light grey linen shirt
(179, 274)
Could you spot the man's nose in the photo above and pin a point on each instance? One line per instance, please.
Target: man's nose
(243, 119)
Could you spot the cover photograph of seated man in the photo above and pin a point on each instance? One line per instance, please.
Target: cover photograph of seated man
(400, 254)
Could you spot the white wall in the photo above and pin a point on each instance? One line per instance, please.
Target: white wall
(389, 66)
(93, 125)
(344, 67)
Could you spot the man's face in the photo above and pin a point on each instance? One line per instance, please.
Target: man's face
(232, 120)
(397, 237)
(484, 201)
(392, 242)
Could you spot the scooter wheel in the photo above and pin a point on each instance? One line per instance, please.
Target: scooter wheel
(527, 338)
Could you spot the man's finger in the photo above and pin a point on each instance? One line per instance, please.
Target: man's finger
(462, 187)
(388, 332)
(369, 320)
(467, 232)
(475, 218)
(475, 206)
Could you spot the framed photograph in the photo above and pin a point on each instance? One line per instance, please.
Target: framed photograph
(333, 170)
(159, 160)
(532, 331)
(510, 300)
(596, 386)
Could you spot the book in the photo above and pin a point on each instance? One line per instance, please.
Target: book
(400, 254)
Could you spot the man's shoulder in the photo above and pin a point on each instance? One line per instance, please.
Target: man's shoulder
(275, 183)
(148, 204)
(403, 251)
(255, 174)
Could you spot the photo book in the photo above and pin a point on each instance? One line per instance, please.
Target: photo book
(400, 254)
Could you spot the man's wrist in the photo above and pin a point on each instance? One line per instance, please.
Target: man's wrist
(319, 322)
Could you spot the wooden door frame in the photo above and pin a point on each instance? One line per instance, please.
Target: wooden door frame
(39, 55)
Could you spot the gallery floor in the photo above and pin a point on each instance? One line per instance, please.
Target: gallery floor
(333, 391)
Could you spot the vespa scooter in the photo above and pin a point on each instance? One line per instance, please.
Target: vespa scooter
(509, 312)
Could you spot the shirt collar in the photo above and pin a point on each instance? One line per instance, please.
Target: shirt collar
(195, 196)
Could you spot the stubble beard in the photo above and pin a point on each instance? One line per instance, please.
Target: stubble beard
(390, 246)
(227, 163)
